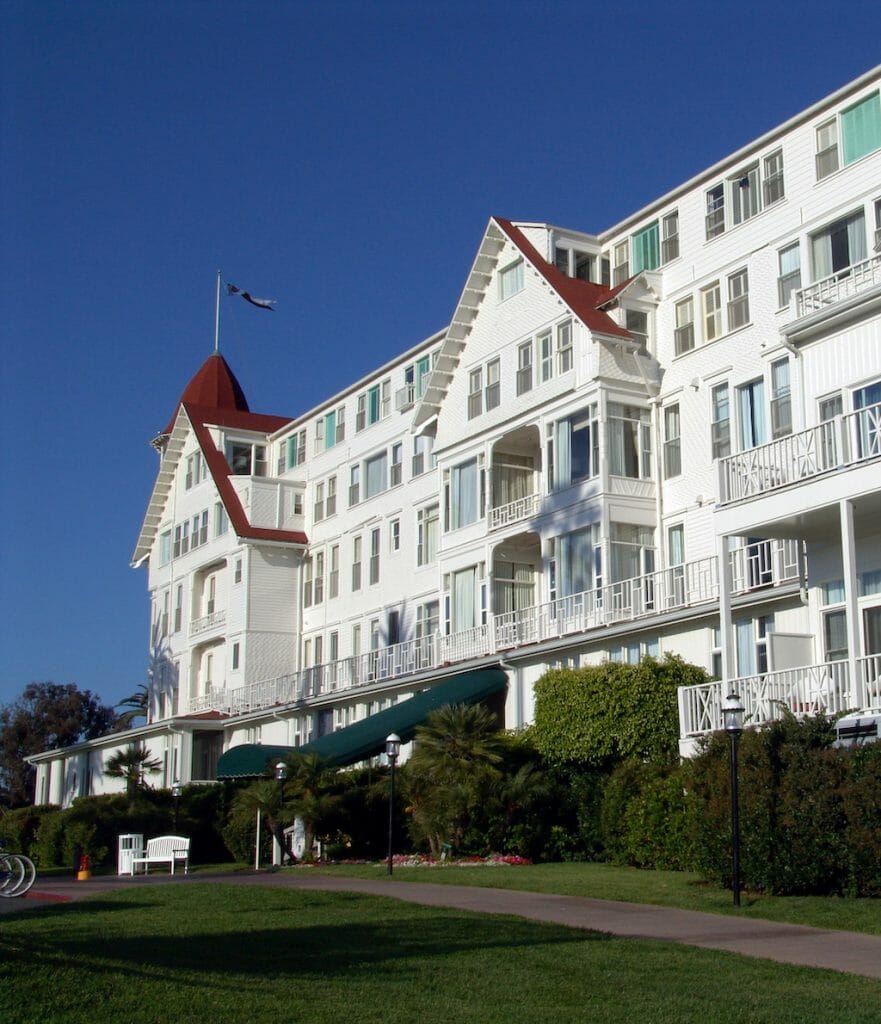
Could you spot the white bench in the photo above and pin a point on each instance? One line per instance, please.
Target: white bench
(163, 850)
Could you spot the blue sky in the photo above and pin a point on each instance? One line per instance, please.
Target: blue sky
(341, 158)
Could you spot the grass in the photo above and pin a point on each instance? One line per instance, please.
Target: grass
(216, 953)
(664, 888)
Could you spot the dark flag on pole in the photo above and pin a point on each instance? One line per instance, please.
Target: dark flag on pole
(231, 289)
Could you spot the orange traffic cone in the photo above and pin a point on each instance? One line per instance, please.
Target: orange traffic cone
(85, 871)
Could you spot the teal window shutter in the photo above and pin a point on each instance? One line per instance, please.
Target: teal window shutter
(861, 128)
(330, 430)
(645, 249)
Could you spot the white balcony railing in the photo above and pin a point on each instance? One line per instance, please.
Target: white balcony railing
(843, 441)
(206, 622)
(514, 511)
(839, 286)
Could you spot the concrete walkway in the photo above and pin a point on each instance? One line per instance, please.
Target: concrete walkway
(851, 952)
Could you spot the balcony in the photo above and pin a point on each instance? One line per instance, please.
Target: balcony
(514, 511)
(838, 443)
(802, 691)
(838, 287)
(208, 622)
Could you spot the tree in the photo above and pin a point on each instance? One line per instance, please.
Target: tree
(135, 705)
(132, 764)
(46, 716)
(453, 772)
(310, 793)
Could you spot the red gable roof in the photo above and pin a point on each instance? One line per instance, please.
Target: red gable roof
(213, 386)
(584, 298)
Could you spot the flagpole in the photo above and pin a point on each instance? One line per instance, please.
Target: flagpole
(217, 317)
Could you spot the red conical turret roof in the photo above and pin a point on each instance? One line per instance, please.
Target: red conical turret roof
(214, 386)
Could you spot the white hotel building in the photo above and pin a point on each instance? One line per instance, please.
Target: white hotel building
(662, 438)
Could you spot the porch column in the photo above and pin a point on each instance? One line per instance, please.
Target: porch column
(725, 584)
(852, 612)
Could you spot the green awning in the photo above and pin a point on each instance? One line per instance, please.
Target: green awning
(367, 738)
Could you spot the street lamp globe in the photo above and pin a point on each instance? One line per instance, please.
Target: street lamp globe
(392, 746)
(732, 714)
(281, 771)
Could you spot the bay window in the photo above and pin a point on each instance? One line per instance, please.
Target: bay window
(630, 441)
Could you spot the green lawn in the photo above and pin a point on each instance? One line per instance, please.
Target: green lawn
(665, 888)
(230, 955)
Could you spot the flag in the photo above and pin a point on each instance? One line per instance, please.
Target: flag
(231, 289)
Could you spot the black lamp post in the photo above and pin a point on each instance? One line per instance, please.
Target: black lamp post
(281, 773)
(392, 749)
(175, 796)
(732, 717)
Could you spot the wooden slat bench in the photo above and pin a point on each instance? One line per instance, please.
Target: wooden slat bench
(170, 850)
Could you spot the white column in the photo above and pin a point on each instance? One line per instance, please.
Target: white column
(852, 612)
(725, 584)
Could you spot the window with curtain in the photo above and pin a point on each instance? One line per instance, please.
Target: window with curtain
(672, 442)
(721, 422)
(632, 551)
(745, 194)
(511, 280)
(578, 561)
(512, 587)
(630, 441)
(861, 129)
(644, 249)
(465, 603)
(781, 402)
(464, 494)
(513, 478)
(427, 534)
(751, 409)
(574, 454)
(839, 246)
(789, 281)
(376, 474)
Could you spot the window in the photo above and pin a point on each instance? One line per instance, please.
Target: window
(684, 333)
(877, 245)
(197, 470)
(676, 563)
(330, 429)
(427, 619)
(354, 485)
(330, 504)
(493, 394)
(246, 459)
(632, 551)
(356, 563)
(464, 495)
(235, 657)
(839, 246)
(789, 281)
(373, 405)
(308, 569)
(670, 237)
(178, 608)
(511, 280)
(738, 300)
(564, 347)
(630, 441)
(835, 635)
(721, 422)
(621, 263)
(545, 357)
(427, 535)
(524, 368)
(752, 644)
(394, 535)
(423, 454)
(237, 575)
(644, 249)
(165, 547)
(573, 448)
(576, 563)
(637, 322)
(376, 474)
(745, 197)
(827, 149)
(574, 263)
(200, 529)
(672, 443)
(396, 470)
(319, 577)
(475, 393)
(373, 568)
(318, 506)
(751, 409)
(781, 404)
(711, 307)
(181, 539)
(861, 129)
(296, 449)
(513, 476)
(772, 184)
(468, 599)
(715, 219)
(333, 579)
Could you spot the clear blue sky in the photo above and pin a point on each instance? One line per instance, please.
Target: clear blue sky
(342, 158)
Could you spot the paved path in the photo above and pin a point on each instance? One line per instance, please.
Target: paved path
(851, 952)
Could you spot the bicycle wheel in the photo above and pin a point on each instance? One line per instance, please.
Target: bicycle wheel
(30, 874)
(12, 873)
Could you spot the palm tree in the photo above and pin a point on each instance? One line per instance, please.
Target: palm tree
(453, 771)
(132, 763)
(264, 796)
(310, 793)
(137, 705)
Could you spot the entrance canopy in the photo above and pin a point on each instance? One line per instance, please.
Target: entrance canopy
(367, 738)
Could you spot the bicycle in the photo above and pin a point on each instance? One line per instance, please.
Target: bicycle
(17, 874)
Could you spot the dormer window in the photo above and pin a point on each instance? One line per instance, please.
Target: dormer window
(245, 459)
(511, 280)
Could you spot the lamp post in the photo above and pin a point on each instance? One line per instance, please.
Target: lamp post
(175, 796)
(392, 749)
(732, 718)
(281, 773)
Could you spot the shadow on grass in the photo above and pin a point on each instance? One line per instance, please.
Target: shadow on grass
(285, 936)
